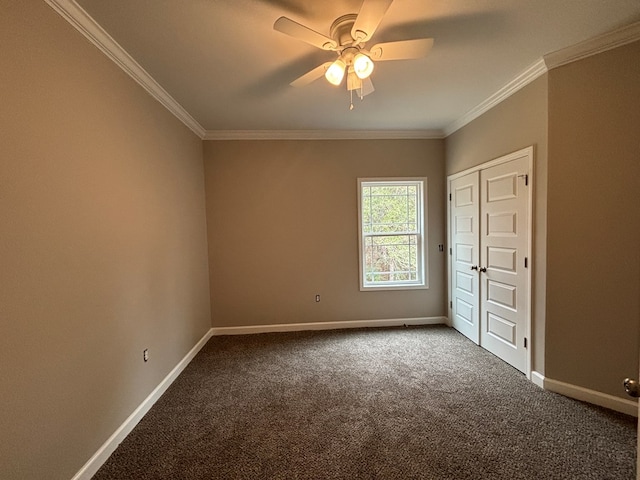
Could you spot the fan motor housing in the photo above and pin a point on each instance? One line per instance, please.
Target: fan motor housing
(341, 29)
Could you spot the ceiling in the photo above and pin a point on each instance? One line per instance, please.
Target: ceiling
(223, 63)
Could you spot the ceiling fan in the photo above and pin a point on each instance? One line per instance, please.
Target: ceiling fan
(348, 36)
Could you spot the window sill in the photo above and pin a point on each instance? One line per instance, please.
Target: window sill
(392, 287)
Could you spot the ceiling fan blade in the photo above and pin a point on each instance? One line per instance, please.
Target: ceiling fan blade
(402, 50)
(311, 76)
(294, 29)
(369, 18)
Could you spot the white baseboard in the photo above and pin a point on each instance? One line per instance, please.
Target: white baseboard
(295, 327)
(95, 462)
(618, 404)
(537, 378)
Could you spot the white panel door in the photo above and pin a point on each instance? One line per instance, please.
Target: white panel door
(504, 281)
(465, 255)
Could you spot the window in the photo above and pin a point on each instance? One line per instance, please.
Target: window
(391, 230)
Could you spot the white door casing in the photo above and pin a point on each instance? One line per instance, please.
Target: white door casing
(501, 321)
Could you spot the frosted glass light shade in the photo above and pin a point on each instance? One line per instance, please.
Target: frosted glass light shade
(362, 65)
(353, 81)
(335, 73)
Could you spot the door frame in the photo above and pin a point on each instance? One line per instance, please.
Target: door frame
(525, 152)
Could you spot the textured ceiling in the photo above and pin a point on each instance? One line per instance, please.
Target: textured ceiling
(222, 61)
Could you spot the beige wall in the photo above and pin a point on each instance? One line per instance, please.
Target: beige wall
(282, 219)
(102, 245)
(517, 122)
(593, 285)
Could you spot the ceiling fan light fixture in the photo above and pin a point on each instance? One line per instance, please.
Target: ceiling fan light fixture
(348, 36)
(335, 72)
(362, 65)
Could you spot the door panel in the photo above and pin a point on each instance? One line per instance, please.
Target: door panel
(501, 294)
(501, 329)
(465, 252)
(501, 259)
(502, 224)
(504, 245)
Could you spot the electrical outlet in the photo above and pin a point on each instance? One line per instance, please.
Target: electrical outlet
(317, 298)
(145, 354)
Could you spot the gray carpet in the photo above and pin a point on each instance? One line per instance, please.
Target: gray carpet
(406, 403)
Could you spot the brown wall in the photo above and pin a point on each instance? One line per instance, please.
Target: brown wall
(102, 245)
(282, 219)
(593, 299)
(515, 123)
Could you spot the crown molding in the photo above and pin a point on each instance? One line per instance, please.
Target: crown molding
(525, 78)
(322, 134)
(87, 26)
(607, 41)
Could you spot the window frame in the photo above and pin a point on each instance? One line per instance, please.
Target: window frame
(421, 241)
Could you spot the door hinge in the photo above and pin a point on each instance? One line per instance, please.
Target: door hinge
(449, 197)
(526, 262)
(525, 342)
(450, 251)
(450, 304)
(526, 178)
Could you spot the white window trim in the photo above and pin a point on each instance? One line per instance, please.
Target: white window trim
(423, 282)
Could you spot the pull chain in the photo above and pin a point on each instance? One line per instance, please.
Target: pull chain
(351, 105)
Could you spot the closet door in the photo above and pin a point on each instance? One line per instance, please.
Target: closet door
(490, 240)
(504, 281)
(465, 255)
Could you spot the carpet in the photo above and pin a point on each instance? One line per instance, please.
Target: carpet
(389, 403)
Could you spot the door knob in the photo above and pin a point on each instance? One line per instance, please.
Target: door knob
(474, 267)
(483, 269)
(631, 387)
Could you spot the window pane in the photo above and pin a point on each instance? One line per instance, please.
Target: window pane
(390, 209)
(385, 190)
(391, 258)
(412, 209)
(366, 214)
